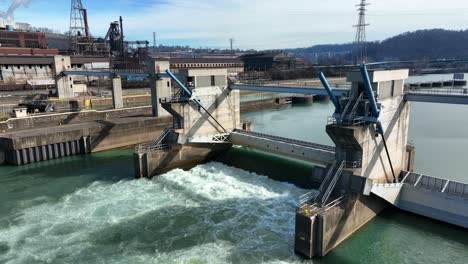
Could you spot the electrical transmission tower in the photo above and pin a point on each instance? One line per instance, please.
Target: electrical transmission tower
(360, 41)
(80, 38)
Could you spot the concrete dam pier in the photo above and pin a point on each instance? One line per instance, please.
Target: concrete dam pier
(371, 154)
(203, 116)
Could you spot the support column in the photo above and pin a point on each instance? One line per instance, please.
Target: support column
(117, 98)
(37, 152)
(73, 147)
(67, 148)
(17, 157)
(160, 87)
(24, 154)
(86, 145)
(51, 152)
(63, 83)
(62, 149)
(44, 153)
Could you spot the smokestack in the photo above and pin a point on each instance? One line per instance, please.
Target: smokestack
(122, 37)
(231, 42)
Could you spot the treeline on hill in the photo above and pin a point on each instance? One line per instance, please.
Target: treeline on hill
(419, 45)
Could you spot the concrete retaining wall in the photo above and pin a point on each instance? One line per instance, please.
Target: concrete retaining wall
(51, 143)
(47, 152)
(18, 124)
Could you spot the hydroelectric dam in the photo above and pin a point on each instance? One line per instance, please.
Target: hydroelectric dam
(369, 167)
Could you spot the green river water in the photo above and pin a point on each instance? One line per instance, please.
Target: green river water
(89, 209)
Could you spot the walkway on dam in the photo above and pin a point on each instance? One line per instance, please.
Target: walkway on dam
(437, 198)
(315, 153)
(443, 96)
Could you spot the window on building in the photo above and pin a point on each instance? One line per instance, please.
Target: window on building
(213, 80)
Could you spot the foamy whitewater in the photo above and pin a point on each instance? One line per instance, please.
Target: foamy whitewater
(210, 214)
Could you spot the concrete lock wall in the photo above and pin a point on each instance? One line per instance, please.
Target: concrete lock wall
(32, 122)
(25, 146)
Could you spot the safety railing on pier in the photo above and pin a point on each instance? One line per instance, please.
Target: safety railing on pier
(173, 100)
(311, 209)
(436, 184)
(157, 145)
(439, 91)
(357, 121)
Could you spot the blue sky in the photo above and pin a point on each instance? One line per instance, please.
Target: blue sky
(258, 24)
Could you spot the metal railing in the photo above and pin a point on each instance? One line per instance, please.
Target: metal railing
(173, 100)
(333, 182)
(157, 145)
(287, 140)
(439, 91)
(353, 113)
(353, 164)
(351, 122)
(326, 180)
(436, 184)
(307, 198)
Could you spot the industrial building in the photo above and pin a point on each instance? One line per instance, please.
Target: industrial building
(265, 61)
(234, 66)
(24, 72)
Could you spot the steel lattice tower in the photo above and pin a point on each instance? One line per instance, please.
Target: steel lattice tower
(79, 29)
(360, 41)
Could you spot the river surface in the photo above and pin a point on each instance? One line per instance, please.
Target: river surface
(89, 209)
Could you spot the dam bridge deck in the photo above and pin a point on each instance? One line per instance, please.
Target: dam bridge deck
(433, 197)
(307, 151)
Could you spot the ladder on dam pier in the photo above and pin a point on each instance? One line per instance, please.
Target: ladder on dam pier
(297, 149)
(329, 183)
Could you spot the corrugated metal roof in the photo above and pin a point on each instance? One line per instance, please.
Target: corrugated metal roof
(205, 60)
(26, 60)
(45, 60)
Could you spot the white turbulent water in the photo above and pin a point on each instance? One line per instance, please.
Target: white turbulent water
(210, 214)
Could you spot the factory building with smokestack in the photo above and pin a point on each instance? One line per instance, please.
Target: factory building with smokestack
(27, 54)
